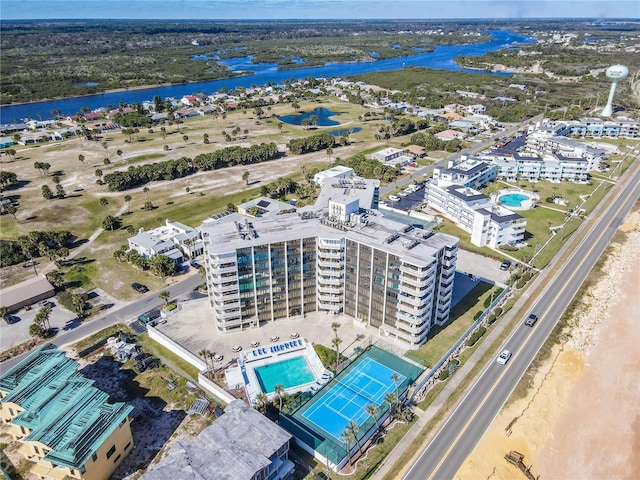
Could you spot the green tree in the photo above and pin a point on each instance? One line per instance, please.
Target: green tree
(372, 410)
(42, 317)
(111, 223)
(35, 330)
(336, 342)
(127, 198)
(11, 210)
(46, 192)
(56, 278)
(104, 202)
(348, 436)
(245, 177)
(185, 138)
(81, 158)
(165, 295)
(261, 402)
(60, 191)
(162, 266)
(279, 391)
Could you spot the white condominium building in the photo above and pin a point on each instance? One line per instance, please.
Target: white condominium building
(340, 255)
(489, 224)
(470, 172)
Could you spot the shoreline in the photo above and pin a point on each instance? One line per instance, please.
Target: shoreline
(124, 89)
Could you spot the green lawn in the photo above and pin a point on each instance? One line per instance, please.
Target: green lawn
(441, 339)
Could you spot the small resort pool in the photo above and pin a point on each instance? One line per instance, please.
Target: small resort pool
(288, 373)
(513, 199)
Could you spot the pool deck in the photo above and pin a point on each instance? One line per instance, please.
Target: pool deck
(192, 327)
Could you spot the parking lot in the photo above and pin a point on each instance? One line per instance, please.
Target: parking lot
(16, 331)
(407, 202)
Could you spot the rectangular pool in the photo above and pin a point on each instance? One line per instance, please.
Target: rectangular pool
(288, 373)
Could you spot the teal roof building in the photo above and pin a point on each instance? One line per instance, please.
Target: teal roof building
(62, 419)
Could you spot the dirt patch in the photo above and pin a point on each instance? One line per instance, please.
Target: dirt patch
(580, 419)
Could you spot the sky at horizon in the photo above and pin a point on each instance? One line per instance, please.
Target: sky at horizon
(315, 9)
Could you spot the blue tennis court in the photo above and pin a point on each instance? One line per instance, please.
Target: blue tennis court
(368, 383)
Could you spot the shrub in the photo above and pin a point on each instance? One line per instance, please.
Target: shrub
(477, 315)
(498, 312)
(444, 374)
(492, 319)
(476, 336)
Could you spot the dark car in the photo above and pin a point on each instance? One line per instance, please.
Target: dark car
(531, 320)
(505, 265)
(138, 287)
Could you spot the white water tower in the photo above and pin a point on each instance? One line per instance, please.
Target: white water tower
(616, 73)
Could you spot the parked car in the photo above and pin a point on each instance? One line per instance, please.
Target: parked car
(394, 198)
(504, 357)
(138, 287)
(505, 265)
(402, 194)
(413, 164)
(531, 320)
(45, 303)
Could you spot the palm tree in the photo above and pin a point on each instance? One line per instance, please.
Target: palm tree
(390, 398)
(245, 177)
(372, 410)
(146, 192)
(81, 158)
(204, 354)
(261, 402)
(329, 153)
(104, 202)
(354, 428)
(42, 317)
(279, 390)
(164, 295)
(348, 437)
(127, 198)
(396, 380)
(336, 341)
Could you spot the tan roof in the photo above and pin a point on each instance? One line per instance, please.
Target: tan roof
(25, 290)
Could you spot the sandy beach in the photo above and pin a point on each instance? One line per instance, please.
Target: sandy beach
(581, 417)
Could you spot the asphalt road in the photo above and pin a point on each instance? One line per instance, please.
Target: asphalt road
(457, 438)
(124, 314)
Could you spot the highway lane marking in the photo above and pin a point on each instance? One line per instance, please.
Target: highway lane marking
(601, 232)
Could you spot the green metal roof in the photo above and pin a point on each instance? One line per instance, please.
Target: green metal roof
(63, 409)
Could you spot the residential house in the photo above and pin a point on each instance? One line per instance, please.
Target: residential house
(242, 444)
(449, 134)
(148, 244)
(393, 156)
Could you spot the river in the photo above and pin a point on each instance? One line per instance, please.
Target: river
(442, 58)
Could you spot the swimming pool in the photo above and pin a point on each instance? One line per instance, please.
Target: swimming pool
(288, 373)
(513, 199)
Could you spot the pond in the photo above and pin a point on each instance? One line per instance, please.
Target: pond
(322, 113)
(342, 131)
